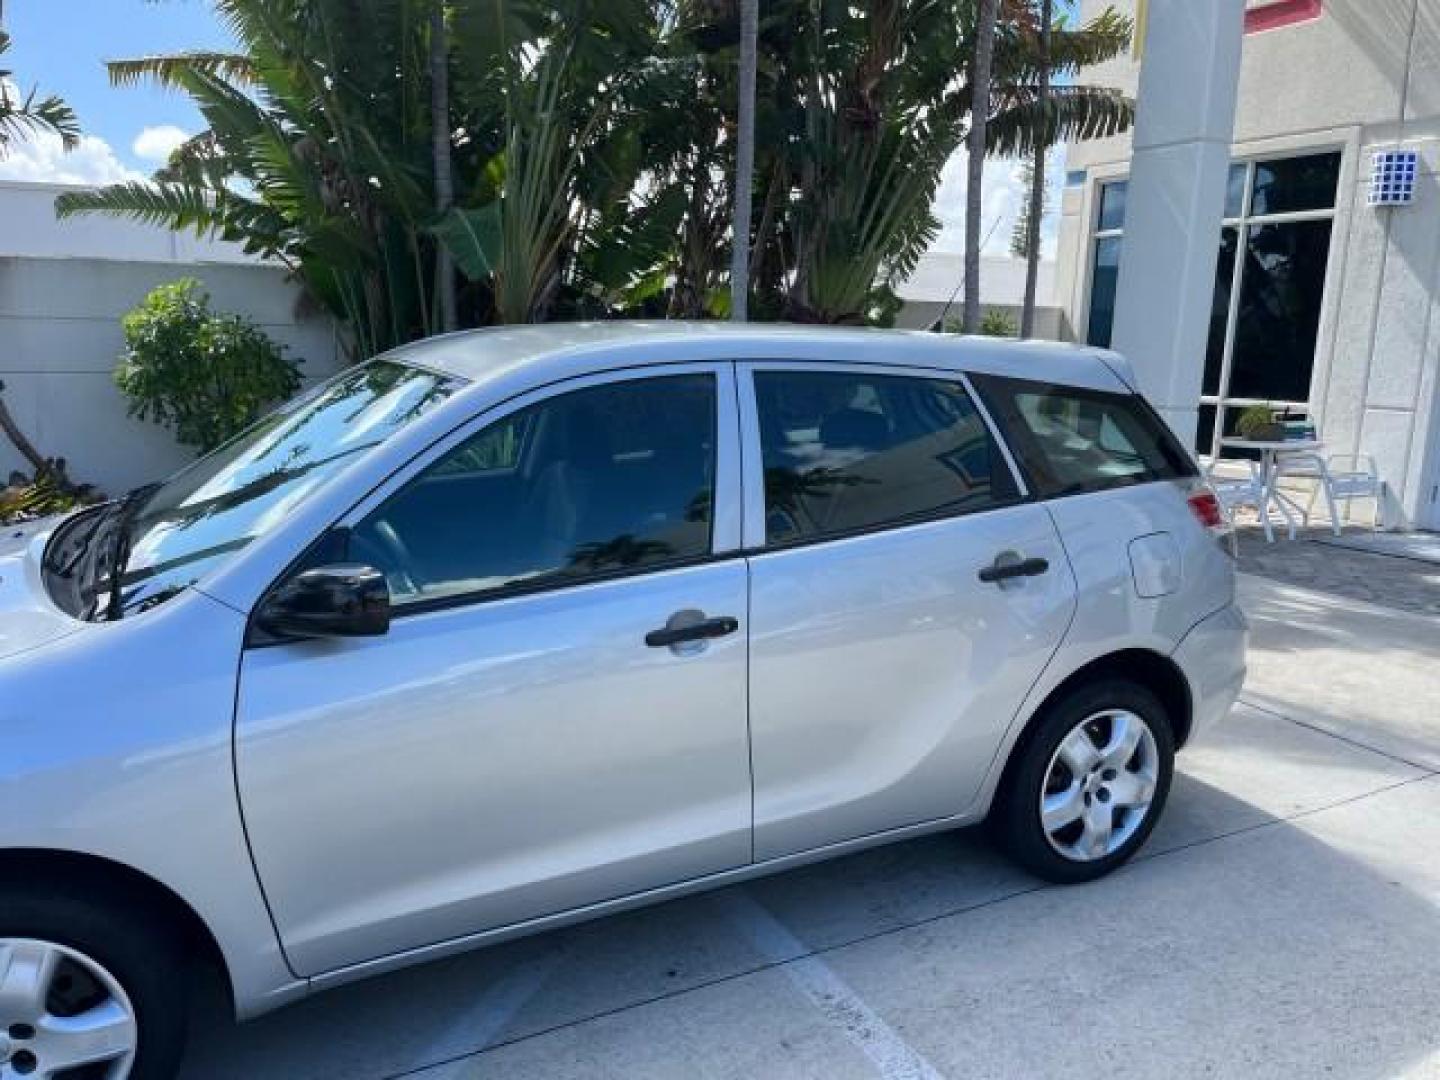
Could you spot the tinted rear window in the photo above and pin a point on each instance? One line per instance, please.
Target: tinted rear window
(1069, 440)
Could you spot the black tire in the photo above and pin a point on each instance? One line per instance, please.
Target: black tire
(1015, 819)
(130, 942)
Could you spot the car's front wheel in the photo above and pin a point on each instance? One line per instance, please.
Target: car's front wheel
(1089, 784)
(86, 993)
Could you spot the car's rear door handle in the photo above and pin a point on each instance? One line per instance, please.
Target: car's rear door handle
(1001, 570)
(677, 632)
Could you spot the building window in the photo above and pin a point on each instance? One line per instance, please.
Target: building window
(1269, 286)
(1105, 265)
(1269, 290)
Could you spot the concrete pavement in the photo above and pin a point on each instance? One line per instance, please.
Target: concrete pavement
(1284, 920)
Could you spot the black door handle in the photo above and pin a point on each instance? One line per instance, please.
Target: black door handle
(696, 631)
(999, 571)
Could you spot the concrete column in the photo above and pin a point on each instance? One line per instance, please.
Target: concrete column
(1183, 129)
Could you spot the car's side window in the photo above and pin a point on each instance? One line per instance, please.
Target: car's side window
(496, 449)
(845, 452)
(595, 481)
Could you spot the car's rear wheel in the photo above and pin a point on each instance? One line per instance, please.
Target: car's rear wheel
(86, 993)
(1089, 784)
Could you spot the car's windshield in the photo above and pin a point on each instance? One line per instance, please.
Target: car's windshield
(171, 537)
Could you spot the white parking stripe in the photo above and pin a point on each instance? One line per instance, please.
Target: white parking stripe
(479, 1026)
(894, 1058)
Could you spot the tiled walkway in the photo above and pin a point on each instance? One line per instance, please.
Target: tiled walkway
(1394, 581)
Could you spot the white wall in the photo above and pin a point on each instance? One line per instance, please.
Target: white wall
(933, 290)
(63, 289)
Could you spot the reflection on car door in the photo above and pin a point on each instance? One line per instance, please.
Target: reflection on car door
(514, 747)
(883, 670)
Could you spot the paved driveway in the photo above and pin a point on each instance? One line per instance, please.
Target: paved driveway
(1283, 921)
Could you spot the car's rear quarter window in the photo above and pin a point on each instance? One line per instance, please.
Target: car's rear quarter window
(1068, 440)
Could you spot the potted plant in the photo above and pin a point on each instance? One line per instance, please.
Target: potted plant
(1258, 423)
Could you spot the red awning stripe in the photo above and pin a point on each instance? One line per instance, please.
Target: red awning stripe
(1280, 13)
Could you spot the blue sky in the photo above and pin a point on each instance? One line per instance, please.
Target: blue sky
(63, 44)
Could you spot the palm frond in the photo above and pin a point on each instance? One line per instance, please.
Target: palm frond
(34, 113)
(1103, 38)
(169, 206)
(473, 238)
(168, 70)
(21, 114)
(1023, 123)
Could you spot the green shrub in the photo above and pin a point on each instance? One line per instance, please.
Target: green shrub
(994, 322)
(206, 376)
(997, 322)
(48, 492)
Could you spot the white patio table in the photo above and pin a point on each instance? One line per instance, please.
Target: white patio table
(1271, 469)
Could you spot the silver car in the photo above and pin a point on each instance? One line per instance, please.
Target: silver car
(515, 628)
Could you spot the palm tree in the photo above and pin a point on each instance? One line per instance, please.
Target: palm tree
(318, 155)
(860, 109)
(22, 114)
(440, 148)
(563, 193)
(1037, 178)
(593, 150)
(1020, 232)
(975, 157)
(744, 161)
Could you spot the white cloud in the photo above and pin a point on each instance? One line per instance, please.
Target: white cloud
(156, 143)
(41, 157)
(1003, 193)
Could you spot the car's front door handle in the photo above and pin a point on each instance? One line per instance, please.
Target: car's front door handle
(677, 632)
(1003, 571)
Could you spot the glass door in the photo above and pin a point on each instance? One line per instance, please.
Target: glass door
(1269, 290)
(1269, 285)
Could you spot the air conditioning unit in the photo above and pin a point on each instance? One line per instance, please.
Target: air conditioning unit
(1392, 177)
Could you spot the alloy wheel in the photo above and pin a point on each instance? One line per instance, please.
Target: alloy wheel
(62, 1015)
(1099, 785)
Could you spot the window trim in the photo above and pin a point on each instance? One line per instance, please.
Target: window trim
(752, 453)
(540, 586)
(725, 534)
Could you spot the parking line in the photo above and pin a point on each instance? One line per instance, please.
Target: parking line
(789, 951)
(488, 1019)
(893, 1057)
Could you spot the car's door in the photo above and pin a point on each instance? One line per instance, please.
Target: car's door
(514, 746)
(887, 657)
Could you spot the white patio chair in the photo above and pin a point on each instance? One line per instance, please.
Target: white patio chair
(1305, 465)
(1349, 477)
(1235, 492)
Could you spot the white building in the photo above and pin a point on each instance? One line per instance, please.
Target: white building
(64, 286)
(934, 292)
(1321, 301)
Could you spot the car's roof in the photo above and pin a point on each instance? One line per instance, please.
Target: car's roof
(553, 351)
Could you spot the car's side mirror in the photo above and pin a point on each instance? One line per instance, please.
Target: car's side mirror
(345, 600)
